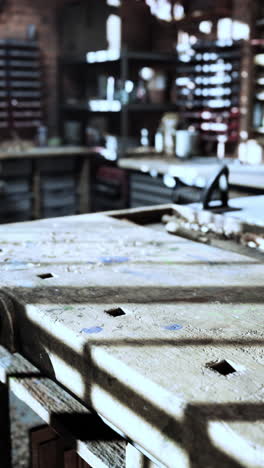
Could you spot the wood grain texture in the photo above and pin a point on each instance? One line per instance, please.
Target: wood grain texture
(148, 372)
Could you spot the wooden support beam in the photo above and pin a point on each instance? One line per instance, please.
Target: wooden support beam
(84, 186)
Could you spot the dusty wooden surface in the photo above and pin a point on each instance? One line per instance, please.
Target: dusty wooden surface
(130, 320)
(197, 170)
(47, 152)
(243, 213)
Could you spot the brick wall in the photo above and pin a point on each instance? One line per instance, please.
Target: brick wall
(14, 19)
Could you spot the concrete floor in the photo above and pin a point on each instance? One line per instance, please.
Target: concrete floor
(22, 420)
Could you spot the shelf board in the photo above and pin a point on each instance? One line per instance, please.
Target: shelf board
(86, 108)
(215, 138)
(150, 56)
(214, 15)
(259, 130)
(136, 107)
(144, 56)
(150, 107)
(260, 22)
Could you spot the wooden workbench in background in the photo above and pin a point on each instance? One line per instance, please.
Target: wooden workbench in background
(46, 182)
(162, 336)
(196, 171)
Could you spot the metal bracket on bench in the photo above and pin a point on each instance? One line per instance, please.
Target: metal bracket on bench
(7, 323)
(218, 182)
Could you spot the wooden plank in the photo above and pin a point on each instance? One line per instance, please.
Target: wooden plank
(47, 152)
(96, 443)
(46, 448)
(240, 176)
(50, 455)
(72, 460)
(136, 459)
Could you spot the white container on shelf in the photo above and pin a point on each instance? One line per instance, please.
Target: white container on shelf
(186, 143)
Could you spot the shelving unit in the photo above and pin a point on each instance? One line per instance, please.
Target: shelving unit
(21, 88)
(208, 90)
(193, 19)
(124, 117)
(258, 89)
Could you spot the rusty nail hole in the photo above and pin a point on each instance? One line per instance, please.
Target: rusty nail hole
(222, 367)
(116, 312)
(45, 275)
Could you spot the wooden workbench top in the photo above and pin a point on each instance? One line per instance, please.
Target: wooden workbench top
(196, 171)
(49, 151)
(130, 321)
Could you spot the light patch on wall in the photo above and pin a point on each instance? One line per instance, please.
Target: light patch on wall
(161, 9)
(113, 3)
(240, 30)
(235, 30)
(224, 28)
(178, 11)
(146, 73)
(113, 32)
(206, 27)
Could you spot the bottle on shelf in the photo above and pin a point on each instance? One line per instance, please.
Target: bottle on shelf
(42, 135)
(159, 140)
(144, 137)
(141, 92)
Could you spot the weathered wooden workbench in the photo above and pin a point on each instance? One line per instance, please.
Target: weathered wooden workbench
(161, 336)
(195, 171)
(44, 159)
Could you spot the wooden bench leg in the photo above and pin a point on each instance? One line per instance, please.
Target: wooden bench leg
(5, 439)
(72, 460)
(136, 459)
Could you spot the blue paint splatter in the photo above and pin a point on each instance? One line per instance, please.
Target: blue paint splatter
(175, 326)
(134, 272)
(197, 257)
(17, 262)
(92, 330)
(141, 274)
(109, 260)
